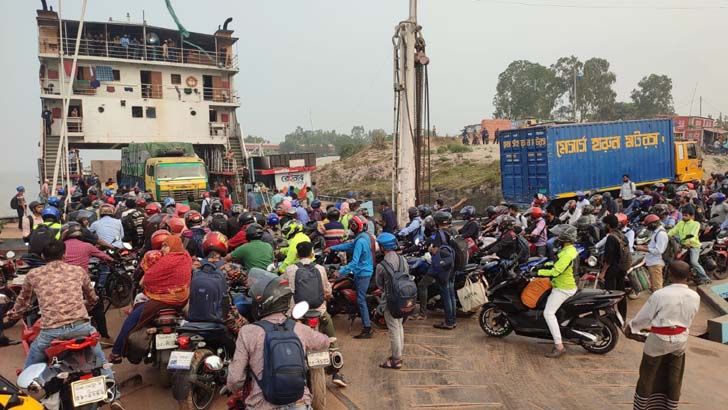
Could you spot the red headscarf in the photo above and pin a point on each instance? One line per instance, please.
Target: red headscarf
(168, 280)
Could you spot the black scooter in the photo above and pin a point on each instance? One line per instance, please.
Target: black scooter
(587, 318)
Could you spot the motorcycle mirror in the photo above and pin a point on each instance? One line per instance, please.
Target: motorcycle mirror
(10, 254)
(29, 374)
(127, 246)
(299, 310)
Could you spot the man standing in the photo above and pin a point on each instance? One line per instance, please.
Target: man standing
(626, 192)
(612, 273)
(484, 135)
(668, 314)
(389, 221)
(688, 232)
(655, 249)
(393, 262)
(35, 218)
(47, 116)
(252, 203)
(442, 268)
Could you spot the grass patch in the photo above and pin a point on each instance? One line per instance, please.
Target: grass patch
(462, 176)
(457, 148)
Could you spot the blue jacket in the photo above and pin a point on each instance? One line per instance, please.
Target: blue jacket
(362, 262)
(415, 230)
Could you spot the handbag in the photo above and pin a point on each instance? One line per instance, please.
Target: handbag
(472, 295)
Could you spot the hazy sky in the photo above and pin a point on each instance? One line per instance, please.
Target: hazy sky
(328, 63)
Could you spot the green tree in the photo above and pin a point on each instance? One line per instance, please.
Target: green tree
(653, 96)
(526, 89)
(595, 97)
(624, 111)
(378, 138)
(252, 139)
(358, 133)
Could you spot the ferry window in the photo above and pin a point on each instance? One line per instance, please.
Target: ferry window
(176, 79)
(137, 112)
(692, 152)
(151, 112)
(117, 75)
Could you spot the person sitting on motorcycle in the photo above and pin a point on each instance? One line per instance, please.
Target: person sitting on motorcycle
(326, 325)
(539, 201)
(64, 294)
(471, 229)
(166, 284)
(170, 206)
(413, 231)
(506, 247)
(195, 232)
(333, 231)
(521, 220)
(563, 286)
(587, 232)
(271, 297)
(719, 210)
(293, 232)
(537, 231)
(571, 213)
(688, 232)
(316, 214)
(662, 212)
(255, 253)
(108, 228)
(581, 200)
(656, 198)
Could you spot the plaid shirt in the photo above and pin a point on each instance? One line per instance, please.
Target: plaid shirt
(60, 289)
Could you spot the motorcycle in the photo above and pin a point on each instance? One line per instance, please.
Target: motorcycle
(117, 290)
(154, 345)
(343, 298)
(720, 255)
(588, 318)
(16, 399)
(10, 284)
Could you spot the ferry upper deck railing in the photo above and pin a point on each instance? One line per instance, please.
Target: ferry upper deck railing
(136, 51)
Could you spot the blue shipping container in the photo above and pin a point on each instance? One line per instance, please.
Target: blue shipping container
(558, 160)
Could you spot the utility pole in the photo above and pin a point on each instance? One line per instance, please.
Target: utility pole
(575, 92)
(701, 105)
(404, 187)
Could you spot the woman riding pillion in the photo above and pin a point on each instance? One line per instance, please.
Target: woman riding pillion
(563, 286)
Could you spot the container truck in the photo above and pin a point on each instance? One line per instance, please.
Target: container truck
(166, 169)
(559, 160)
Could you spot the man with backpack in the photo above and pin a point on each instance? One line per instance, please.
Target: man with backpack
(217, 221)
(400, 296)
(18, 203)
(272, 351)
(617, 260)
(443, 266)
(107, 227)
(195, 233)
(33, 219)
(44, 233)
(655, 250)
(309, 283)
(132, 219)
(471, 229)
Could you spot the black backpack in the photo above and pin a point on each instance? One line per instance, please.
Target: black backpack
(672, 249)
(219, 223)
(309, 287)
(14, 202)
(401, 290)
(625, 256)
(524, 250)
(208, 289)
(41, 236)
(284, 364)
(461, 252)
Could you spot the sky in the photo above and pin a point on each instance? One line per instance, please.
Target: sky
(327, 64)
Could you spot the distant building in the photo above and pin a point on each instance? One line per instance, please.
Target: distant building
(696, 128)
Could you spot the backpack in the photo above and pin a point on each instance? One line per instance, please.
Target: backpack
(219, 223)
(284, 364)
(207, 291)
(462, 252)
(130, 229)
(401, 290)
(625, 256)
(308, 285)
(524, 249)
(198, 235)
(443, 262)
(14, 202)
(672, 249)
(41, 236)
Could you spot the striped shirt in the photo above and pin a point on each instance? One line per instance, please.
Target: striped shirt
(333, 233)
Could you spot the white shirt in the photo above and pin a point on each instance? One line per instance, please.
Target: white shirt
(674, 305)
(582, 203)
(656, 248)
(627, 191)
(628, 233)
(570, 218)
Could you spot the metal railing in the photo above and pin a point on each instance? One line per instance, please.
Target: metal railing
(152, 91)
(136, 51)
(74, 125)
(221, 95)
(219, 129)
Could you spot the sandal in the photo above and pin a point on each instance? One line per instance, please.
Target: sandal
(115, 358)
(391, 363)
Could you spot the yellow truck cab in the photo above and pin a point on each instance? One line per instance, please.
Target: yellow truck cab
(176, 177)
(688, 161)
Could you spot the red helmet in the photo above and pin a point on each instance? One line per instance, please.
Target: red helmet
(215, 241)
(206, 195)
(140, 202)
(535, 212)
(651, 218)
(622, 218)
(182, 209)
(691, 185)
(357, 224)
(152, 209)
(193, 218)
(540, 199)
(175, 225)
(159, 237)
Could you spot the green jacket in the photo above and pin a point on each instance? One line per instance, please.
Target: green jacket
(683, 229)
(562, 273)
(291, 252)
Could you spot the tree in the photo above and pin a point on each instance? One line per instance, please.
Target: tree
(358, 133)
(594, 94)
(378, 138)
(252, 139)
(653, 96)
(525, 89)
(624, 111)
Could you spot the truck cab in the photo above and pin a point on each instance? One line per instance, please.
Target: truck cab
(688, 161)
(175, 177)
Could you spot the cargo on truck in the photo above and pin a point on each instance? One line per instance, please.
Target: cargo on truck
(166, 169)
(559, 160)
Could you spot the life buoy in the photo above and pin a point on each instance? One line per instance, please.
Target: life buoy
(191, 81)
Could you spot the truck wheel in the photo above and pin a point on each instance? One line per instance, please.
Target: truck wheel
(318, 388)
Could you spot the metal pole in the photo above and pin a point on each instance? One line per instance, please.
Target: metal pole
(574, 92)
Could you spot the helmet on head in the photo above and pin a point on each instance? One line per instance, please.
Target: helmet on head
(193, 218)
(216, 206)
(259, 218)
(567, 234)
(291, 212)
(140, 202)
(71, 230)
(412, 212)
(175, 225)
(580, 194)
(387, 241)
(506, 223)
(254, 231)
(108, 192)
(316, 204)
(717, 197)
(34, 204)
(236, 209)
(291, 228)
(659, 185)
(540, 199)
(333, 214)
(270, 293)
(61, 191)
(54, 201)
(107, 210)
(169, 202)
(596, 199)
(20, 188)
(645, 201)
(357, 224)
(587, 210)
(246, 218)
(583, 222)
(182, 210)
(152, 209)
(622, 219)
(650, 220)
(535, 212)
(424, 211)
(215, 241)
(130, 203)
(490, 211)
(273, 220)
(442, 218)
(158, 238)
(660, 210)
(430, 223)
(468, 211)
(570, 205)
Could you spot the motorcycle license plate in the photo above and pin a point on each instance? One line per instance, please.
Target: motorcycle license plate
(165, 341)
(318, 359)
(179, 360)
(88, 391)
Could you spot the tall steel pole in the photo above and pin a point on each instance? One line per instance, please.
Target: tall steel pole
(404, 171)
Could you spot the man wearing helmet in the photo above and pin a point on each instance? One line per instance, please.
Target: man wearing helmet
(414, 230)
(170, 206)
(271, 297)
(254, 253)
(581, 200)
(688, 232)
(506, 247)
(362, 265)
(107, 227)
(719, 210)
(537, 232)
(293, 232)
(471, 229)
(132, 219)
(657, 246)
(571, 213)
(195, 234)
(316, 214)
(441, 270)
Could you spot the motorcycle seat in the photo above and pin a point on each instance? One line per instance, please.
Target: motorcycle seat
(200, 326)
(584, 293)
(312, 313)
(637, 258)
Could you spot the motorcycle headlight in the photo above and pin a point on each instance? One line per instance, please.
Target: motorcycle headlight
(213, 363)
(592, 261)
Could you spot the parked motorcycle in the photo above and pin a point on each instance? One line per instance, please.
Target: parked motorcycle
(155, 344)
(10, 284)
(343, 298)
(720, 255)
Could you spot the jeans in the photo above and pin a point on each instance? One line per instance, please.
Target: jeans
(129, 324)
(36, 354)
(362, 285)
(449, 301)
(694, 256)
(422, 287)
(555, 300)
(396, 334)
(21, 212)
(550, 248)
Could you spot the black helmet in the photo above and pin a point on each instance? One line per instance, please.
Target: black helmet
(254, 231)
(468, 211)
(260, 219)
(490, 211)
(236, 209)
(269, 293)
(71, 230)
(507, 222)
(33, 204)
(424, 211)
(442, 218)
(583, 222)
(246, 218)
(216, 207)
(412, 212)
(333, 214)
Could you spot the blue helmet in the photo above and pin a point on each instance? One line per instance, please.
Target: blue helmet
(20, 188)
(316, 204)
(54, 201)
(717, 197)
(61, 191)
(169, 202)
(108, 192)
(51, 212)
(273, 220)
(295, 203)
(387, 241)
